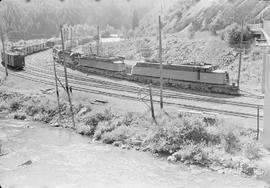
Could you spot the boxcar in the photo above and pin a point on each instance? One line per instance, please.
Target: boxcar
(14, 59)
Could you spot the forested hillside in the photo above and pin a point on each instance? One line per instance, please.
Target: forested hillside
(41, 18)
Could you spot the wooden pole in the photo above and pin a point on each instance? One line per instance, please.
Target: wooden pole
(98, 40)
(66, 79)
(71, 38)
(264, 69)
(57, 91)
(4, 52)
(161, 65)
(240, 55)
(258, 122)
(151, 102)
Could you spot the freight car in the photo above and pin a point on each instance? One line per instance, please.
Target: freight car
(29, 47)
(34, 46)
(13, 59)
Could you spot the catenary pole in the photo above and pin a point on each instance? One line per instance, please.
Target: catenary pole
(66, 79)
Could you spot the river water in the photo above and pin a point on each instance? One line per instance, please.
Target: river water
(61, 158)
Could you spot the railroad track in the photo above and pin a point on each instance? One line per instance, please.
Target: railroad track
(50, 81)
(123, 87)
(176, 93)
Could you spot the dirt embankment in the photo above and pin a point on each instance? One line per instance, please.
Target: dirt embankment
(190, 139)
(177, 49)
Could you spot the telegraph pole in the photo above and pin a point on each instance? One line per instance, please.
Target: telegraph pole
(57, 91)
(66, 79)
(161, 65)
(71, 38)
(240, 55)
(4, 51)
(151, 102)
(98, 40)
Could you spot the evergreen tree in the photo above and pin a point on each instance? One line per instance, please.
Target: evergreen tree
(135, 20)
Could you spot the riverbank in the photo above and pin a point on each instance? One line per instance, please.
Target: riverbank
(180, 137)
(68, 159)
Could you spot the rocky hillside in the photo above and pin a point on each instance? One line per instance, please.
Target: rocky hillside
(192, 31)
(201, 15)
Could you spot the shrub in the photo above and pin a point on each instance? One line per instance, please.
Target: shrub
(93, 121)
(20, 116)
(128, 118)
(252, 150)
(234, 35)
(105, 126)
(118, 134)
(3, 107)
(14, 105)
(232, 142)
(193, 154)
(31, 110)
(171, 137)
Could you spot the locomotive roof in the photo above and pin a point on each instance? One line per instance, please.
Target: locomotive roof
(113, 59)
(187, 67)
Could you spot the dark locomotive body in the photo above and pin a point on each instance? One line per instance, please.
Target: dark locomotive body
(200, 77)
(203, 73)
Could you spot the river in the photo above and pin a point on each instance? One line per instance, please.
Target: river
(57, 157)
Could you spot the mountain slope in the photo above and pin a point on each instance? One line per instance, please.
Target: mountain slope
(203, 15)
(41, 19)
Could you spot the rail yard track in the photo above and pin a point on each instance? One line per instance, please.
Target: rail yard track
(129, 97)
(109, 88)
(123, 87)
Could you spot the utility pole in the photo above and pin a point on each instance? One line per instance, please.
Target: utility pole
(151, 102)
(71, 42)
(258, 122)
(98, 40)
(57, 91)
(161, 65)
(66, 79)
(240, 55)
(4, 51)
